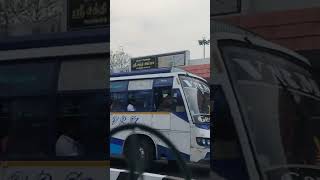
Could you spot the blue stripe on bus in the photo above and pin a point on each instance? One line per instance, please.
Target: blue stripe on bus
(203, 126)
(116, 149)
(182, 115)
(167, 153)
(116, 146)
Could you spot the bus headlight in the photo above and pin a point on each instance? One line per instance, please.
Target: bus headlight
(203, 141)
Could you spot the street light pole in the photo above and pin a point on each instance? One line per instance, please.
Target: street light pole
(203, 42)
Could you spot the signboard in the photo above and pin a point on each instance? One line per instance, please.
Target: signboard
(224, 7)
(160, 60)
(88, 14)
(171, 60)
(143, 63)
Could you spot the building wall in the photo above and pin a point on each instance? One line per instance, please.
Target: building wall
(280, 5)
(293, 24)
(199, 61)
(298, 30)
(222, 8)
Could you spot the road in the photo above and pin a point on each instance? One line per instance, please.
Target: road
(199, 171)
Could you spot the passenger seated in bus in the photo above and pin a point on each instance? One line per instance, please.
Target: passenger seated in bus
(166, 104)
(68, 144)
(131, 105)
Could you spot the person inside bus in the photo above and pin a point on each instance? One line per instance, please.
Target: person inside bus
(166, 103)
(68, 142)
(131, 105)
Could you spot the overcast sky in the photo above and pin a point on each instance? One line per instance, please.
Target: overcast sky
(145, 27)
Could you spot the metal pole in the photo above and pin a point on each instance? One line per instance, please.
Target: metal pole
(204, 51)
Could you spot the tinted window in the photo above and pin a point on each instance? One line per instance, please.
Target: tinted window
(28, 127)
(163, 82)
(119, 96)
(119, 101)
(119, 86)
(26, 79)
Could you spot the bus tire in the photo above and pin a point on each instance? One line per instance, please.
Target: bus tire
(143, 155)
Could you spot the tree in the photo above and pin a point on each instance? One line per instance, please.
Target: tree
(119, 61)
(32, 11)
(28, 11)
(4, 16)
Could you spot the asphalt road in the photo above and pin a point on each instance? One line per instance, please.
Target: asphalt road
(199, 171)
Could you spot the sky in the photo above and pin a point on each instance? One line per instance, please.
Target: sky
(147, 27)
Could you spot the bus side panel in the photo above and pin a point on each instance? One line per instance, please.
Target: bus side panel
(161, 121)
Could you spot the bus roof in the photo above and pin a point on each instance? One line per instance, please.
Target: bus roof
(147, 71)
(152, 72)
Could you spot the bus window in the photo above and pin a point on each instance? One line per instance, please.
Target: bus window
(119, 101)
(178, 101)
(140, 95)
(81, 110)
(27, 79)
(87, 75)
(29, 128)
(140, 100)
(119, 96)
(78, 115)
(163, 100)
(25, 97)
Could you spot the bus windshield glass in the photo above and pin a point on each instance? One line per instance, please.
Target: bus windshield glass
(198, 98)
(279, 100)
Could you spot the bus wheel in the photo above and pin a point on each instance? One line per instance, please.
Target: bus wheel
(140, 153)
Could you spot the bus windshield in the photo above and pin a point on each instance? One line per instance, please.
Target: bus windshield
(198, 98)
(280, 103)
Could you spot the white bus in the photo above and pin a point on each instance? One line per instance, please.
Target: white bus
(171, 101)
